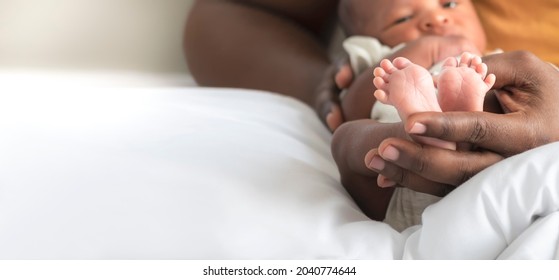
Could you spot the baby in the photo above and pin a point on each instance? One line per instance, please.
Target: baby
(424, 34)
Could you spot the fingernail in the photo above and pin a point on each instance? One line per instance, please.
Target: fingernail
(390, 153)
(418, 128)
(376, 163)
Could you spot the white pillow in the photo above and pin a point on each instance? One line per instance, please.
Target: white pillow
(186, 173)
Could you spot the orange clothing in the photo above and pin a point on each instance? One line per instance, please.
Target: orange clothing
(522, 25)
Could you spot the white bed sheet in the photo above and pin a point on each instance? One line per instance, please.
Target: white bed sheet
(204, 173)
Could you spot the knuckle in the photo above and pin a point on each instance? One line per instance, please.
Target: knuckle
(523, 55)
(403, 179)
(445, 127)
(398, 175)
(469, 166)
(479, 130)
(420, 162)
(531, 63)
(466, 173)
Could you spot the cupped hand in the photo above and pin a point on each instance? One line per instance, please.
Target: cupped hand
(425, 168)
(358, 98)
(526, 88)
(350, 143)
(327, 99)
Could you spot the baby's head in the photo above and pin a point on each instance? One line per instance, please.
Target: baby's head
(398, 21)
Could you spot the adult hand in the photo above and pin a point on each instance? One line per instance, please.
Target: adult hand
(359, 99)
(327, 103)
(526, 88)
(350, 143)
(358, 96)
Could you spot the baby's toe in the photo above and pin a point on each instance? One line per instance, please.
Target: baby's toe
(387, 66)
(380, 83)
(466, 59)
(450, 62)
(481, 69)
(381, 73)
(401, 62)
(490, 80)
(381, 96)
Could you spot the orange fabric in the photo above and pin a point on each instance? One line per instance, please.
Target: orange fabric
(522, 25)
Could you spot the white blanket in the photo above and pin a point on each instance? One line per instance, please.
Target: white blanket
(205, 173)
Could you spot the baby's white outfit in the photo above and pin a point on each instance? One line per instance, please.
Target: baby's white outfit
(406, 206)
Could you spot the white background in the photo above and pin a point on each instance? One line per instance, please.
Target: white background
(139, 35)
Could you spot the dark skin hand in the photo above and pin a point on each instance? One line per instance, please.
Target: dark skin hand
(528, 97)
(353, 140)
(273, 45)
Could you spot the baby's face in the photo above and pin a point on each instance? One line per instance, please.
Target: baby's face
(398, 21)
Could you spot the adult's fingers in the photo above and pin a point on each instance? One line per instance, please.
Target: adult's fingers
(518, 69)
(392, 175)
(406, 161)
(525, 83)
(504, 134)
(335, 117)
(526, 89)
(344, 76)
(329, 111)
(327, 100)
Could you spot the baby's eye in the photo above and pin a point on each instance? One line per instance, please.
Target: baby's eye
(450, 4)
(402, 19)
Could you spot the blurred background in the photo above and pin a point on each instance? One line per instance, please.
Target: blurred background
(116, 35)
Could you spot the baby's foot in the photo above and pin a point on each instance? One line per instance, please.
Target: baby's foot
(462, 87)
(410, 88)
(406, 86)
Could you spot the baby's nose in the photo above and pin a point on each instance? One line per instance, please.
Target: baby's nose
(433, 20)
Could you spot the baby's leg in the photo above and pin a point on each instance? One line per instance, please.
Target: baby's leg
(410, 88)
(462, 87)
